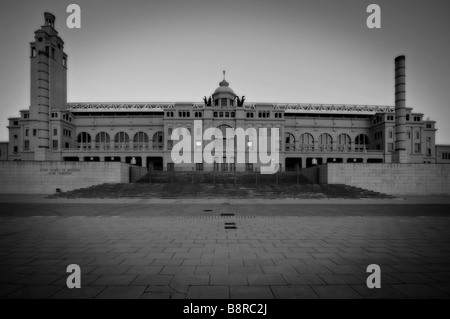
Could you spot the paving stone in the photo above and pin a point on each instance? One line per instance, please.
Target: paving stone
(121, 292)
(251, 292)
(306, 279)
(294, 292)
(218, 269)
(336, 292)
(140, 270)
(35, 292)
(258, 280)
(208, 292)
(114, 280)
(385, 292)
(228, 280)
(154, 280)
(175, 270)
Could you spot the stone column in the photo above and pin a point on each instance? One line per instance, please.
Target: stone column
(400, 155)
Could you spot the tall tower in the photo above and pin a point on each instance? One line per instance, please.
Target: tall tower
(400, 155)
(48, 80)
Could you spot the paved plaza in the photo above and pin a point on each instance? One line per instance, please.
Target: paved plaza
(217, 249)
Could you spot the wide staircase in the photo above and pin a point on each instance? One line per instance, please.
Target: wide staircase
(223, 185)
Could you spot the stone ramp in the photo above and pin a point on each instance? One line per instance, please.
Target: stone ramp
(225, 191)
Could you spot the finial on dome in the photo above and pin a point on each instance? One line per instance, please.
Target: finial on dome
(224, 82)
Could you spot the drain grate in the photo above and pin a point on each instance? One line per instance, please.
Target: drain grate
(230, 225)
(207, 210)
(227, 214)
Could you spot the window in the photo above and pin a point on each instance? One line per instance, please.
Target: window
(16, 149)
(325, 142)
(220, 114)
(233, 114)
(47, 51)
(416, 147)
(34, 132)
(417, 135)
(407, 117)
(27, 131)
(361, 142)
(223, 102)
(408, 135)
(158, 140)
(227, 114)
(65, 62)
(215, 114)
(429, 126)
(249, 167)
(429, 151)
(264, 114)
(390, 147)
(33, 52)
(199, 166)
(140, 141)
(391, 134)
(53, 53)
(121, 140)
(16, 123)
(55, 132)
(67, 145)
(26, 145)
(289, 142)
(102, 141)
(55, 144)
(84, 140)
(344, 143)
(306, 142)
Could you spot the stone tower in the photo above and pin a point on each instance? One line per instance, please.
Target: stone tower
(48, 82)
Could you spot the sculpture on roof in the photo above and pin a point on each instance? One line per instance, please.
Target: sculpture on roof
(208, 102)
(240, 101)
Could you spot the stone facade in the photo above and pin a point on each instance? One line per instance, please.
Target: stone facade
(54, 130)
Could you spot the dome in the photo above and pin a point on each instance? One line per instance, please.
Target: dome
(224, 87)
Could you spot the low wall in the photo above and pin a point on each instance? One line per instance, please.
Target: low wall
(33, 177)
(394, 179)
(136, 173)
(311, 174)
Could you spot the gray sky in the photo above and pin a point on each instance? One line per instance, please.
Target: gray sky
(295, 51)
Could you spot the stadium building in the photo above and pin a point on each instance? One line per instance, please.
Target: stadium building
(52, 129)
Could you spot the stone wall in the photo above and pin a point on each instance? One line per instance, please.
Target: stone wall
(395, 179)
(33, 177)
(311, 174)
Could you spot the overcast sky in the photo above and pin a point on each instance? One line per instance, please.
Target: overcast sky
(296, 51)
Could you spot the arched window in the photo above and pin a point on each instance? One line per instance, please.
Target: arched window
(306, 142)
(102, 141)
(361, 142)
(289, 141)
(325, 142)
(344, 143)
(121, 141)
(158, 141)
(140, 141)
(84, 140)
